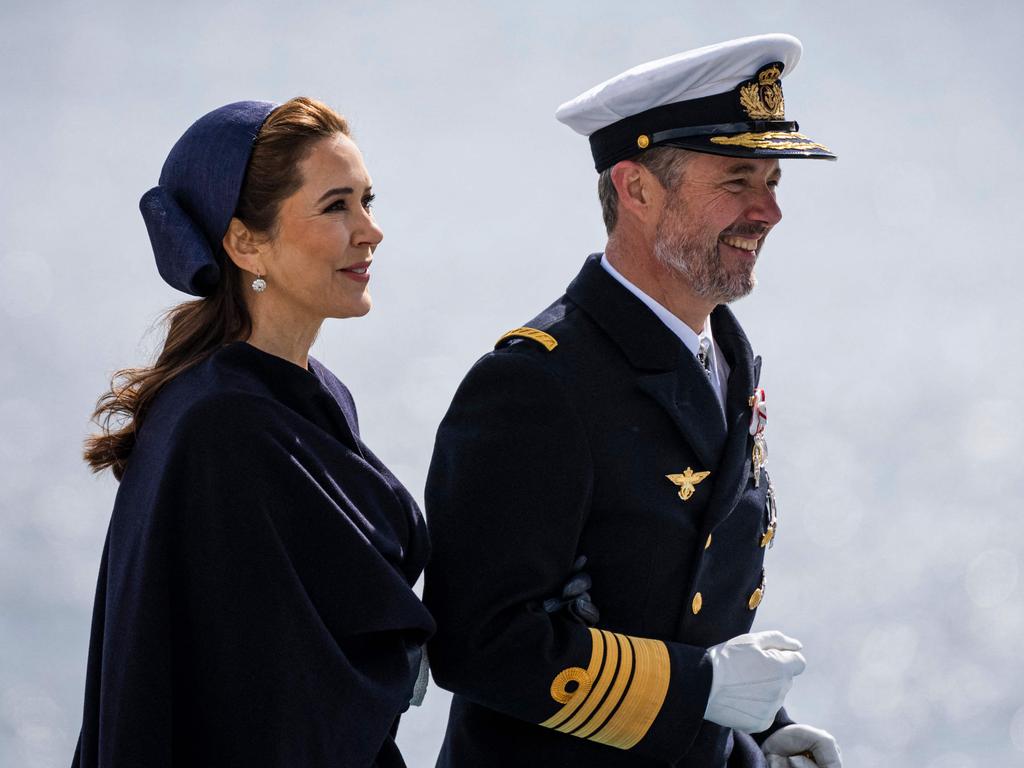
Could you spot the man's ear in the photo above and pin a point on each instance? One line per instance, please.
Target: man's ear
(245, 247)
(640, 194)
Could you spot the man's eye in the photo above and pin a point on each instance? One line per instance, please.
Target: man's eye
(736, 183)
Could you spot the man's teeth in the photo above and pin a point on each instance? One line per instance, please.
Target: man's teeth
(740, 242)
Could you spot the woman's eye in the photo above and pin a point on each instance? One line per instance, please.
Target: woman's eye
(337, 205)
(368, 201)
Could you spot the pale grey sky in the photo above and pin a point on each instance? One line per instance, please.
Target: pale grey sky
(887, 313)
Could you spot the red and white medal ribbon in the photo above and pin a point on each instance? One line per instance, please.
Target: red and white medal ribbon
(758, 413)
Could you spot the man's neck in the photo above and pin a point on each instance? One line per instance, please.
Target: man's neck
(662, 283)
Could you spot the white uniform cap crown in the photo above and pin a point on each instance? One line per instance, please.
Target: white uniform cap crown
(689, 75)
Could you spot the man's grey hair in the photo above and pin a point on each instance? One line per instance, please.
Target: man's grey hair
(665, 163)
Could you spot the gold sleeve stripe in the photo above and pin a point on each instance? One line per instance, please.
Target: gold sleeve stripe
(644, 699)
(544, 339)
(628, 678)
(623, 676)
(581, 694)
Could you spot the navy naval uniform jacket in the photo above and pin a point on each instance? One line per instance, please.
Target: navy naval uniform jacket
(558, 444)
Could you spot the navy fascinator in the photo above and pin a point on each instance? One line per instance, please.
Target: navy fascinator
(189, 211)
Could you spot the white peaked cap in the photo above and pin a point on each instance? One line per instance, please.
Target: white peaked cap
(677, 83)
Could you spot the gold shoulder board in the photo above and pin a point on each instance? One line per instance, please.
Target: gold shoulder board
(544, 339)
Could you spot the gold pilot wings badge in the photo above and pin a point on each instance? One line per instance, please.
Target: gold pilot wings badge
(687, 482)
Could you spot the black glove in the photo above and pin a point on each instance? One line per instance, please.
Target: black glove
(575, 598)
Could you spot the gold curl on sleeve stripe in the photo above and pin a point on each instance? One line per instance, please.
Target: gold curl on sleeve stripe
(576, 675)
(546, 340)
(577, 699)
(599, 688)
(645, 697)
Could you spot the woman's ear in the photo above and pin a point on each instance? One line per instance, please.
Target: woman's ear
(244, 247)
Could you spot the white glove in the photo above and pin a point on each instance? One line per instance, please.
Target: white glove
(751, 676)
(786, 748)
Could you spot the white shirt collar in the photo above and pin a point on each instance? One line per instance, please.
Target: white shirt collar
(677, 326)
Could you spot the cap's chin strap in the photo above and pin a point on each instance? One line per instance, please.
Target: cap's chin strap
(756, 126)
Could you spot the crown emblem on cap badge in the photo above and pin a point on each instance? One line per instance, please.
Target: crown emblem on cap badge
(761, 98)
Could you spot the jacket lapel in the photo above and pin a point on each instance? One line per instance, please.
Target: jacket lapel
(666, 370)
(734, 469)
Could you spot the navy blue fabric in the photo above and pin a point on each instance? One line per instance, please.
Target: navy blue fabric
(255, 602)
(189, 211)
(546, 456)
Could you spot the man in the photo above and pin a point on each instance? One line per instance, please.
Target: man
(597, 498)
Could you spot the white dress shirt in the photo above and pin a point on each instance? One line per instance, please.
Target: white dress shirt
(719, 368)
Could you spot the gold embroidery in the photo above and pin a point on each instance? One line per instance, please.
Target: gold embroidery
(686, 482)
(770, 140)
(597, 691)
(645, 697)
(593, 668)
(762, 98)
(622, 676)
(620, 694)
(559, 687)
(544, 339)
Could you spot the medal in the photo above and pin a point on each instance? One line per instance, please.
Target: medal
(772, 517)
(758, 424)
(758, 457)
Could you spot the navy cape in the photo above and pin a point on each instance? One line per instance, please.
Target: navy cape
(255, 602)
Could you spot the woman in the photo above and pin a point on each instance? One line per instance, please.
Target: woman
(255, 602)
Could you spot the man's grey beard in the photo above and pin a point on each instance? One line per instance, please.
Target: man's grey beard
(698, 261)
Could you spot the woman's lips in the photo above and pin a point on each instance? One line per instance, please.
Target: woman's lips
(358, 272)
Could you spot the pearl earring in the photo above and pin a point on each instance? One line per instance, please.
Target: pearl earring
(259, 285)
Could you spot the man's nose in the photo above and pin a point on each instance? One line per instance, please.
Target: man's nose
(765, 208)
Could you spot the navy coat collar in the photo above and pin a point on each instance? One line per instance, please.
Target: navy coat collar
(311, 393)
(671, 375)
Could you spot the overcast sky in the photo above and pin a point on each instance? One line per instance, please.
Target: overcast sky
(888, 312)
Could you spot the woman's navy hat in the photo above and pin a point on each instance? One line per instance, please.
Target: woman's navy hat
(723, 99)
(189, 211)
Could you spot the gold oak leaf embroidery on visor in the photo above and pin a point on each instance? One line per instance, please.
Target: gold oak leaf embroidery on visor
(617, 697)
(770, 140)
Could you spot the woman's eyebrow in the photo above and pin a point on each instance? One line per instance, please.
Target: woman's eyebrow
(335, 191)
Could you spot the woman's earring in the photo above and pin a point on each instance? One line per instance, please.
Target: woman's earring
(259, 285)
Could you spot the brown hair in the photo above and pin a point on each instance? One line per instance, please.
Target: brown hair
(665, 163)
(196, 329)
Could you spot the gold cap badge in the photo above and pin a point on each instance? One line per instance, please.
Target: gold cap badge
(761, 98)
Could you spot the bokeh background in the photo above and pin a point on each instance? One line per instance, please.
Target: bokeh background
(888, 312)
